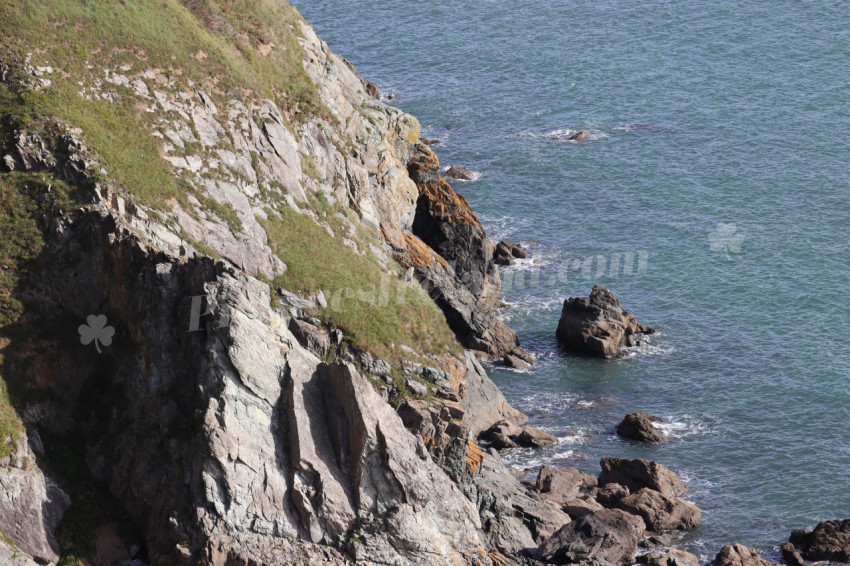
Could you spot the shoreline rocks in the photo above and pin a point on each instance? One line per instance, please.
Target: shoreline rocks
(830, 540)
(506, 252)
(638, 426)
(638, 474)
(597, 325)
(611, 535)
(661, 513)
(740, 555)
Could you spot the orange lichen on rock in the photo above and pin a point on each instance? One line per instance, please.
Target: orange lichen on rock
(419, 254)
(474, 456)
(444, 203)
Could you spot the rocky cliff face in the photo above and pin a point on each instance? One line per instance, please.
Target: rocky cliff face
(201, 407)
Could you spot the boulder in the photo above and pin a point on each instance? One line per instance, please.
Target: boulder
(430, 141)
(610, 495)
(638, 426)
(740, 555)
(672, 557)
(561, 485)
(515, 362)
(535, 438)
(506, 252)
(639, 473)
(661, 513)
(580, 135)
(581, 506)
(372, 90)
(830, 540)
(458, 173)
(610, 535)
(597, 325)
(791, 555)
(314, 338)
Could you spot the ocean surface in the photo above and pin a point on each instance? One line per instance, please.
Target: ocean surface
(713, 199)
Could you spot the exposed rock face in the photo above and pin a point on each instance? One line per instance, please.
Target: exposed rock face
(484, 403)
(638, 426)
(661, 513)
(740, 555)
(31, 505)
(609, 535)
(597, 325)
(830, 540)
(640, 473)
(310, 336)
(506, 252)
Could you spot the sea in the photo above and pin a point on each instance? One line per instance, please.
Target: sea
(712, 197)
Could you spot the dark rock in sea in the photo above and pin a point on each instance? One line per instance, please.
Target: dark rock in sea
(791, 555)
(740, 555)
(597, 325)
(506, 434)
(562, 485)
(515, 362)
(372, 90)
(506, 252)
(458, 173)
(672, 557)
(638, 426)
(830, 540)
(610, 535)
(580, 135)
(661, 513)
(638, 474)
(430, 141)
(611, 494)
(535, 438)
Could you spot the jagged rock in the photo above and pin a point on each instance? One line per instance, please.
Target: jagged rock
(458, 173)
(830, 540)
(372, 90)
(506, 252)
(31, 505)
(740, 555)
(672, 557)
(661, 513)
(610, 535)
(534, 437)
(314, 338)
(611, 494)
(791, 555)
(597, 325)
(639, 473)
(638, 426)
(561, 485)
(483, 403)
(416, 387)
(515, 362)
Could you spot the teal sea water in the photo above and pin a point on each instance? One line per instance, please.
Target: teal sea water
(732, 113)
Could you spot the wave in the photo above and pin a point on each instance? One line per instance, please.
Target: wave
(682, 426)
(564, 135)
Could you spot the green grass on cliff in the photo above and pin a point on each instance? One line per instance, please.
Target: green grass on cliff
(374, 309)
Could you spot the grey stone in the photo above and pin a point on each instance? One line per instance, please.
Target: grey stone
(661, 513)
(740, 555)
(639, 473)
(610, 535)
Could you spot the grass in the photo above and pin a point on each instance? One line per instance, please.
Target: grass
(375, 309)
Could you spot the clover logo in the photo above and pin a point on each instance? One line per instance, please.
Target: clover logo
(725, 239)
(96, 331)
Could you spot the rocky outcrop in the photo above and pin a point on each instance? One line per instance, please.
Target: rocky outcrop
(609, 535)
(740, 555)
(672, 557)
(483, 403)
(638, 474)
(659, 512)
(597, 325)
(830, 540)
(507, 434)
(31, 505)
(458, 173)
(638, 426)
(506, 252)
(791, 555)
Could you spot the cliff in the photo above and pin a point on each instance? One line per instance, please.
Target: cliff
(225, 265)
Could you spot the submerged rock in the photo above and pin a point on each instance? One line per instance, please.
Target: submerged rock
(638, 474)
(638, 426)
(610, 535)
(597, 325)
(740, 555)
(830, 540)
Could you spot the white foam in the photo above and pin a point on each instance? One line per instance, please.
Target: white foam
(564, 134)
(476, 176)
(681, 427)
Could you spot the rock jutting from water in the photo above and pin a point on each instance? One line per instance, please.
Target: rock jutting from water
(597, 325)
(638, 426)
(506, 252)
(830, 540)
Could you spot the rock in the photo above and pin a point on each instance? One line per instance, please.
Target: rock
(514, 362)
(597, 325)
(483, 403)
(561, 485)
(740, 555)
(830, 540)
(372, 90)
(672, 557)
(534, 437)
(791, 555)
(639, 473)
(314, 338)
(580, 135)
(416, 387)
(661, 513)
(430, 141)
(580, 507)
(457, 173)
(655, 540)
(610, 495)
(638, 426)
(506, 252)
(610, 535)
